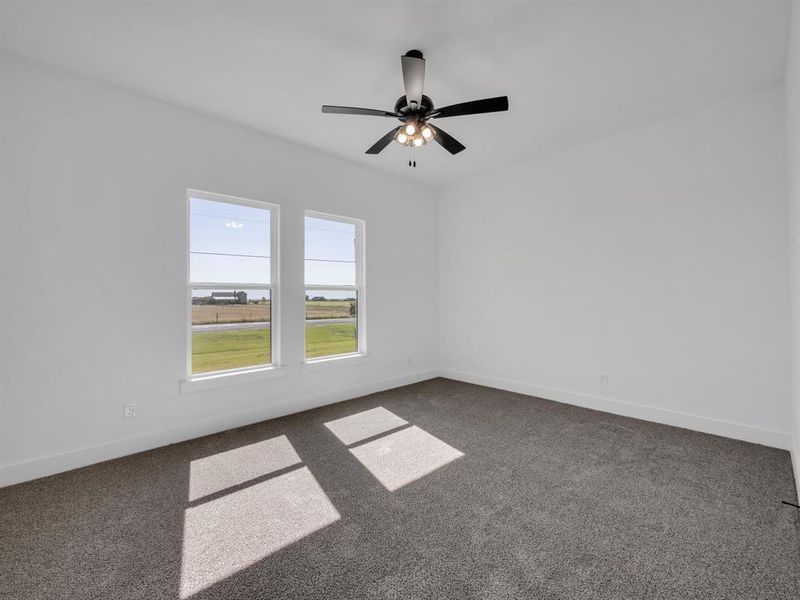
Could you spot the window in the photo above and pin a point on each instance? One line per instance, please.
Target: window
(335, 293)
(231, 284)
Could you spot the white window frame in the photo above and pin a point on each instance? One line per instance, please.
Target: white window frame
(213, 377)
(360, 288)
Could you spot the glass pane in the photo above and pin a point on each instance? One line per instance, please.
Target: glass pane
(230, 329)
(330, 323)
(330, 252)
(228, 242)
(229, 269)
(330, 273)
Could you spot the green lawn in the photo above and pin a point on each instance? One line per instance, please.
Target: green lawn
(334, 338)
(240, 348)
(235, 349)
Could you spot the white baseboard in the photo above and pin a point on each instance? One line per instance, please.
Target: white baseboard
(57, 463)
(737, 431)
(66, 461)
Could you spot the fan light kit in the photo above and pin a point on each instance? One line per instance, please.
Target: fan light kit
(414, 110)
(414, 134)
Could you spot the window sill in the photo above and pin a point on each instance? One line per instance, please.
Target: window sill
(218, 380)
(334, 362)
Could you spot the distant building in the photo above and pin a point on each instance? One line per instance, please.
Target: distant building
(234, 297)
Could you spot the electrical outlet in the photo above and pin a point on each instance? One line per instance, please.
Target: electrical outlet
(128, 411)
(603, 378)
(410, 359)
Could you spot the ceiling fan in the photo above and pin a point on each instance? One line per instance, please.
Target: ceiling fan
(414, 110)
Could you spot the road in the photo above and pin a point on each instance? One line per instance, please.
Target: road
(232, 326)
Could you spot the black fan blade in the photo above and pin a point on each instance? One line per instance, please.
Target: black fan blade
(448, 142)
(413, 75)
(349, 110)
(474, 107)
(382, 143)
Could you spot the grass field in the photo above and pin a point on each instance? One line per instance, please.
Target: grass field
(335, 338)
(205, 314)
(240, 348)
(236, 349)
(327, 309)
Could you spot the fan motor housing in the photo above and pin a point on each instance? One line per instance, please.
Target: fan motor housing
(401, 106)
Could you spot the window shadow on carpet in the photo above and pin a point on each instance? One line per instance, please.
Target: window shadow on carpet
(361, 468)
(245, 504)
(394, 451)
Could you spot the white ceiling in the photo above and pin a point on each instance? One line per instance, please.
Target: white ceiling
(573, 71)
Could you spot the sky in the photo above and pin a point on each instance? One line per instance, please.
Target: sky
(230, 243)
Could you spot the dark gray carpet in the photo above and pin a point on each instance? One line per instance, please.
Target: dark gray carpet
(548, 501)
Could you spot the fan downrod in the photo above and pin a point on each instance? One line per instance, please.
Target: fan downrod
(401, 107)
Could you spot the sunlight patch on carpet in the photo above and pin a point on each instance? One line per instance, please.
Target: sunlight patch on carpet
(228, 469)
(407, 455)
(363, 425)
(226, 535)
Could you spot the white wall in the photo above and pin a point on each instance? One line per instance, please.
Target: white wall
(658, 256)
(93, 279)
(793, 153)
